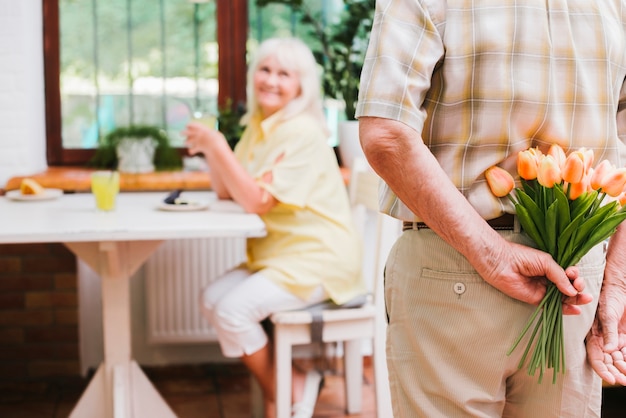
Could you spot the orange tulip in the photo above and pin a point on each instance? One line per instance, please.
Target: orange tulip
(588, 157)
(599, 173)
(500, 181)
(527, 162)
(622, 199)
(574, 167)
(556, 151)
(549, 172)
(575, 190)
(614, 182)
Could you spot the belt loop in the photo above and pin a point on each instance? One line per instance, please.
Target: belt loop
(414, 226)
(516, 226)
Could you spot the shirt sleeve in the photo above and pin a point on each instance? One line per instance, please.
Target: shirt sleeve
(405, 47)
(296, 163)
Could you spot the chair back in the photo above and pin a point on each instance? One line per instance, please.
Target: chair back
(378, 231)
(378, 237)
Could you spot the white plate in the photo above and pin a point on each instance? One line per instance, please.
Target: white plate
(191, 206)
(48, 194)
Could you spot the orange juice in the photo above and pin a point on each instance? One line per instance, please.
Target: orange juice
(105, 185)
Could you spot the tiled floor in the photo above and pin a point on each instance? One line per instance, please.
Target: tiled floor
(208, 391)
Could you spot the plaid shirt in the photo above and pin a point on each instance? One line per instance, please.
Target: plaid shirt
(482, 80)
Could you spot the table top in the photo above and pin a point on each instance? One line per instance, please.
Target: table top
(138, 216)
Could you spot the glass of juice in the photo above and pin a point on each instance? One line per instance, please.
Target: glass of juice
(105, 185)
(205, 118)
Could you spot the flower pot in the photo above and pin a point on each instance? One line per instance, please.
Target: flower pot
(136, 155)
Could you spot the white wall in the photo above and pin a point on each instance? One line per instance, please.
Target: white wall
(22, 116)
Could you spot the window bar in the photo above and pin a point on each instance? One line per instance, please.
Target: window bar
(196, 49)
(259, 23)
(131, 116)
(96, 64)
(163, 67)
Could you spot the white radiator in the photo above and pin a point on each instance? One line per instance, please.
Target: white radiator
(174, 277)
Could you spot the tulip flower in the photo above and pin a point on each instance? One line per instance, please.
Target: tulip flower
(527, 162)
(613, 183)
(566, 221)
(588, 158)
(500, 181)
(599, 172)
(574, 167)
(575, 190)
(556, 151)
(549, 172)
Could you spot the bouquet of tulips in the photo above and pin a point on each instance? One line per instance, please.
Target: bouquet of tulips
(566, 207)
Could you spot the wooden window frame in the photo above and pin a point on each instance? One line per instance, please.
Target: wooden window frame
(232, 34)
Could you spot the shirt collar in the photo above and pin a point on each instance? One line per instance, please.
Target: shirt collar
(269, 124)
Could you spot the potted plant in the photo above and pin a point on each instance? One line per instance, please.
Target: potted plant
(341, 53)
(136, 149)
(228, 119)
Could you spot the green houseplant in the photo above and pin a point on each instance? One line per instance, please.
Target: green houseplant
(341, 48)
(228, 119)
(164, 157)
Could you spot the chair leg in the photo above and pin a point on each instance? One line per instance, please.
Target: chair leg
(353, 364)
(282, 360)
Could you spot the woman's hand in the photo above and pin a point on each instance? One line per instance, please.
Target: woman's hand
(202, 139)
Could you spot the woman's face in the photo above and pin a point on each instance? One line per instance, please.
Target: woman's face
(275, 86)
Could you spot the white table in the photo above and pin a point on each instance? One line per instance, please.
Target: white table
(115, 245)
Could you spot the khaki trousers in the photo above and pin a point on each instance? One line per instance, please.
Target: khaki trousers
(449, 333)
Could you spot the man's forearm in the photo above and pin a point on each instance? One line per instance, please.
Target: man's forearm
(398, 155)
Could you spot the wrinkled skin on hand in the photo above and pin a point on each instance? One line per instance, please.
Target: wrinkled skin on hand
(523, 273)
(606, 342)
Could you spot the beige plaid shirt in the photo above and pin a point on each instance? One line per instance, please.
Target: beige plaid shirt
(480, 83)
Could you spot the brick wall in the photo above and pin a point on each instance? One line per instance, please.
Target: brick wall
(38, 312)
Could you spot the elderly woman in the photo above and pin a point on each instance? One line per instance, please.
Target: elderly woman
(283, 170)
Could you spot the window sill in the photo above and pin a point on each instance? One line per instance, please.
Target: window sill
(77, 179)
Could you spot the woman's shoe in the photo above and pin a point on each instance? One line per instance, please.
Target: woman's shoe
(312, 387)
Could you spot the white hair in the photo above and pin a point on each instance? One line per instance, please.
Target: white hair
(296, 56)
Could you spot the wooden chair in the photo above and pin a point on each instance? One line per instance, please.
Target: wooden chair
(351, 326)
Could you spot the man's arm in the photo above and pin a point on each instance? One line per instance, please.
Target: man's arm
(398, 154)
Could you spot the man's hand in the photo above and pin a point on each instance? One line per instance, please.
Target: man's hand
(606, 342)
(523, 273)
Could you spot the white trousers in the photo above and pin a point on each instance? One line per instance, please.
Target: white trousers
(236, 303)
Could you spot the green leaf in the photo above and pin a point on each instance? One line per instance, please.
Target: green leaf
(594, 221)
(529, 226)
(603, 231)
(551, 226)
(582, 203)
(563, 213)
(530, 188)
(535, 214)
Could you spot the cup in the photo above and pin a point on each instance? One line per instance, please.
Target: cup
(205, 118)
(105, 186)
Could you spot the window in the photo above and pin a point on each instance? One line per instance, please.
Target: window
(137, 62)
(110, 63)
